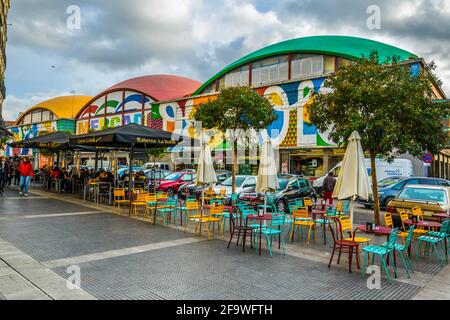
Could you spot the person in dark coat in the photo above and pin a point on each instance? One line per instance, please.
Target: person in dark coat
(328, 187)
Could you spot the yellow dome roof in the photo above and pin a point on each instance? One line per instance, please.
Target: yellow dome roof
(62, 107)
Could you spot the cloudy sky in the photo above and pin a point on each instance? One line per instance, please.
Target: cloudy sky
(120, 39)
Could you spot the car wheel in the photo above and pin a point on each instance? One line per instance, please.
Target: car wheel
(385, 203)
(281, 206)
(170, 192)
(368, 206)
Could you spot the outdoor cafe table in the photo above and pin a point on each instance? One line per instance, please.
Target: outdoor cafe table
(227, 208)
(379, 231)
(441, 216)
(425, 224)
(266, 217)
(252, 200)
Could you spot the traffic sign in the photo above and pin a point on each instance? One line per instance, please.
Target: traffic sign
(428, 157)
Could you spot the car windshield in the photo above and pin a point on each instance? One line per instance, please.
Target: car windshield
(229, 181)
(424, 194)
(173, 176)
(282, 183)
(387, 182)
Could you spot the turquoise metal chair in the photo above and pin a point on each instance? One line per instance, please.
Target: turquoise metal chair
(270, 203)
(444, 234)
(170, 207)
(383, 252)
(276, 228)
(434, 239)
(402, 249)
(330, 212)
(345, 207)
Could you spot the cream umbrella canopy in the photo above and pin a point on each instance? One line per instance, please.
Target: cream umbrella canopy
(267, 173)
(206, 175)
(353, 180)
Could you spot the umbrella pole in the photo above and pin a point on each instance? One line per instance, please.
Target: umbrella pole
(130, 177)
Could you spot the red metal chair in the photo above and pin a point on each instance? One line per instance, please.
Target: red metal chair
(341, 245)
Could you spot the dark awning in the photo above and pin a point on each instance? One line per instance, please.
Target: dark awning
(5, 133)
(128, 136)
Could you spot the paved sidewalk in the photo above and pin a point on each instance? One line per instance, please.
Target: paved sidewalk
(127, 258)
(438, 288)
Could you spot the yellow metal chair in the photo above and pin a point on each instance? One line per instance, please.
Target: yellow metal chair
(193, 213)
(389, 223)
(150, 205)
(215, 215)
(119, 197)
(347, 227)
(139, 202)
(301, 219)
(404, 216)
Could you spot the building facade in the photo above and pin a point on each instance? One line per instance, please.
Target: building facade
(3, 38)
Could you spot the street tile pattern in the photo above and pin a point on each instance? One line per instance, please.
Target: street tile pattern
(207, 270)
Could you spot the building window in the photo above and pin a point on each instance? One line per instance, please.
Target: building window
(270, 70)
(304, 66)
(27, 119)
(37, 116)
(238, 77)
(45, 115)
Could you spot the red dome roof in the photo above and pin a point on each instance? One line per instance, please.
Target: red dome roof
(160, 87)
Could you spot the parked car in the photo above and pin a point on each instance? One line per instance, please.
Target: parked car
(191, 189)
(122, 170)
(154, 177)
(243, 184)
(431, 199)
(389, 188)
(291, 187)
(156, 165)
(174, 181)
(398, 167)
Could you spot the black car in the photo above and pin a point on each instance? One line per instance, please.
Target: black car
(191, 189)
(389, 188)
(292, 187)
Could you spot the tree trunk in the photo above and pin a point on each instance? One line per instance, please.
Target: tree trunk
(376, 202)
(235, 165)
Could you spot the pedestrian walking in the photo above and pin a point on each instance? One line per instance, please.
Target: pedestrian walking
(328, 187)
(3, 174)
(9, 171)
(16, 173)
(26, 172)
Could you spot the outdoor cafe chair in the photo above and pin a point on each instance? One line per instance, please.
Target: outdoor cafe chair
(347, 227)
(301, 219)
(150, 207)
(240, 229)
(434, 239)
(383, 252)
(216, 215)
(402, 249)
(119, 197)
(389, 223)
(276, 228)
(270, 203)
(170, 207)
(103, 191)
(404, 217)
(193, 213)
(342, 246)
(139, 202)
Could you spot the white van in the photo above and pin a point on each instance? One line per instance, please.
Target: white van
(398, 167)
(91, 163)
(157, 165)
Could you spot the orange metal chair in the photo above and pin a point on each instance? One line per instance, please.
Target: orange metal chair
(139, 202)
(388, 222)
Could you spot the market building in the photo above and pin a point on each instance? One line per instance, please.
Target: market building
(4, 7)
(56, 114)
(288, 73)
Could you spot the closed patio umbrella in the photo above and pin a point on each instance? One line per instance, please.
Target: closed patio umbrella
(206, 175)
(353, 180)
(267, 173)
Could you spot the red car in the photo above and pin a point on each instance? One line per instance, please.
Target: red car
(173, 181)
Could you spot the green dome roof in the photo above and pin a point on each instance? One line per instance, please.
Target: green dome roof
(342, 46)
